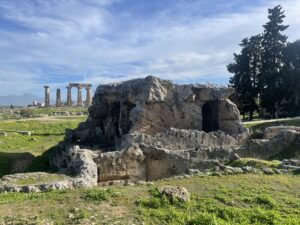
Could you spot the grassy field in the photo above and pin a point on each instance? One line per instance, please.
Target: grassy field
(18, 113)
(237, 199)
(255, 125)
(46, 133)
(232, 199)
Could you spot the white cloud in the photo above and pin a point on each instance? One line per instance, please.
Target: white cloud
(86, 39)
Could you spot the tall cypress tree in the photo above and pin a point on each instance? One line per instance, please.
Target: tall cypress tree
(292, 78)
(273, 45)
(246, 70)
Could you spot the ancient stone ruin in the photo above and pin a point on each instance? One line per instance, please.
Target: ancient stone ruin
(148, 129)
(79, 102)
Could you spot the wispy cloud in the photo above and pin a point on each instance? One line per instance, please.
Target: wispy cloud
(59, 41)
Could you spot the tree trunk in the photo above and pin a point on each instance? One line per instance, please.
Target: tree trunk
(251, 115)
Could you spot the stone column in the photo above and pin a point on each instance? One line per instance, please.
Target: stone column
(88, 100)
(79, 96)
(47, 95)
(58, 97)
(69, 96)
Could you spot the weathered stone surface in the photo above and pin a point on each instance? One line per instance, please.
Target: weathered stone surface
(152, 106)
(36, 182)
(175, 193)
(178, 139)
(121, 165)
(274, 131)
(276, 140)
(149, 129)
(291, 162)
(79, 162)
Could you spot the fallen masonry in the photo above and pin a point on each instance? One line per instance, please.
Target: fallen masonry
(148, 129)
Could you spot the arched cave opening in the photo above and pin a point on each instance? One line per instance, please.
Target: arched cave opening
(210, 117)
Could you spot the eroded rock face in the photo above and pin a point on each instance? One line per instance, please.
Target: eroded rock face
(274, 141)
(152, 106)
(148, 129)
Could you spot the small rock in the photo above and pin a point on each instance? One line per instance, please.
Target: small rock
(248, 169)
(237, 170)
(216, 174)
(217, 169)
(71, 216)
(277, 171)
(289, 167)
(291, 162)
(268, 171)
(2, 133)
(75, 209)
(173, 193)
(141, 182)
(235, 157)
(193, 171)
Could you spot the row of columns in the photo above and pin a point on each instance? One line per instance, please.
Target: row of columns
(88, 100)
(79, 96)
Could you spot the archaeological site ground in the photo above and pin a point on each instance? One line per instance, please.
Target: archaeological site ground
(160, 112)
(149, 151)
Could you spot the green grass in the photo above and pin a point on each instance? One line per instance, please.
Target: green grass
(21, 113)
(98, 194)
(255, 163)
(50, 110)
(41, 179)
(263, 124)
(45, 135)
(235, 199)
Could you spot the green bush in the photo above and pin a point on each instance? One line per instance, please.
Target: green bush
(255, 163)
(98, 194)
(203, 219)
(266, 201)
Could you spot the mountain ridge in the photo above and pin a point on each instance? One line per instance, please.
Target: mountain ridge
(19, 100)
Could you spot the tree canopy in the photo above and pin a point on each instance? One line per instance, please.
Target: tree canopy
(266, 72)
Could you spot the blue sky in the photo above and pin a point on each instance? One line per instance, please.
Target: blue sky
(55, 42)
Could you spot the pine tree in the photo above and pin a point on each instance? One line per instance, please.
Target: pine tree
(292, 78)
(273, 45)
(246, 70)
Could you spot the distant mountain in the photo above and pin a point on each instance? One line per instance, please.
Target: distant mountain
(19, 100)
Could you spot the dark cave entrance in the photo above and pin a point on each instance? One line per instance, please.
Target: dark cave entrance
(124, 122)
(210, 118)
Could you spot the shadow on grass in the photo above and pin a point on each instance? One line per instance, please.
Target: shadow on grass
(24, 162)
(41, 163)
(11, 162)
(291, 152)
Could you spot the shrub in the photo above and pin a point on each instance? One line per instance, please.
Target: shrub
(98, 195)
(267, 201)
